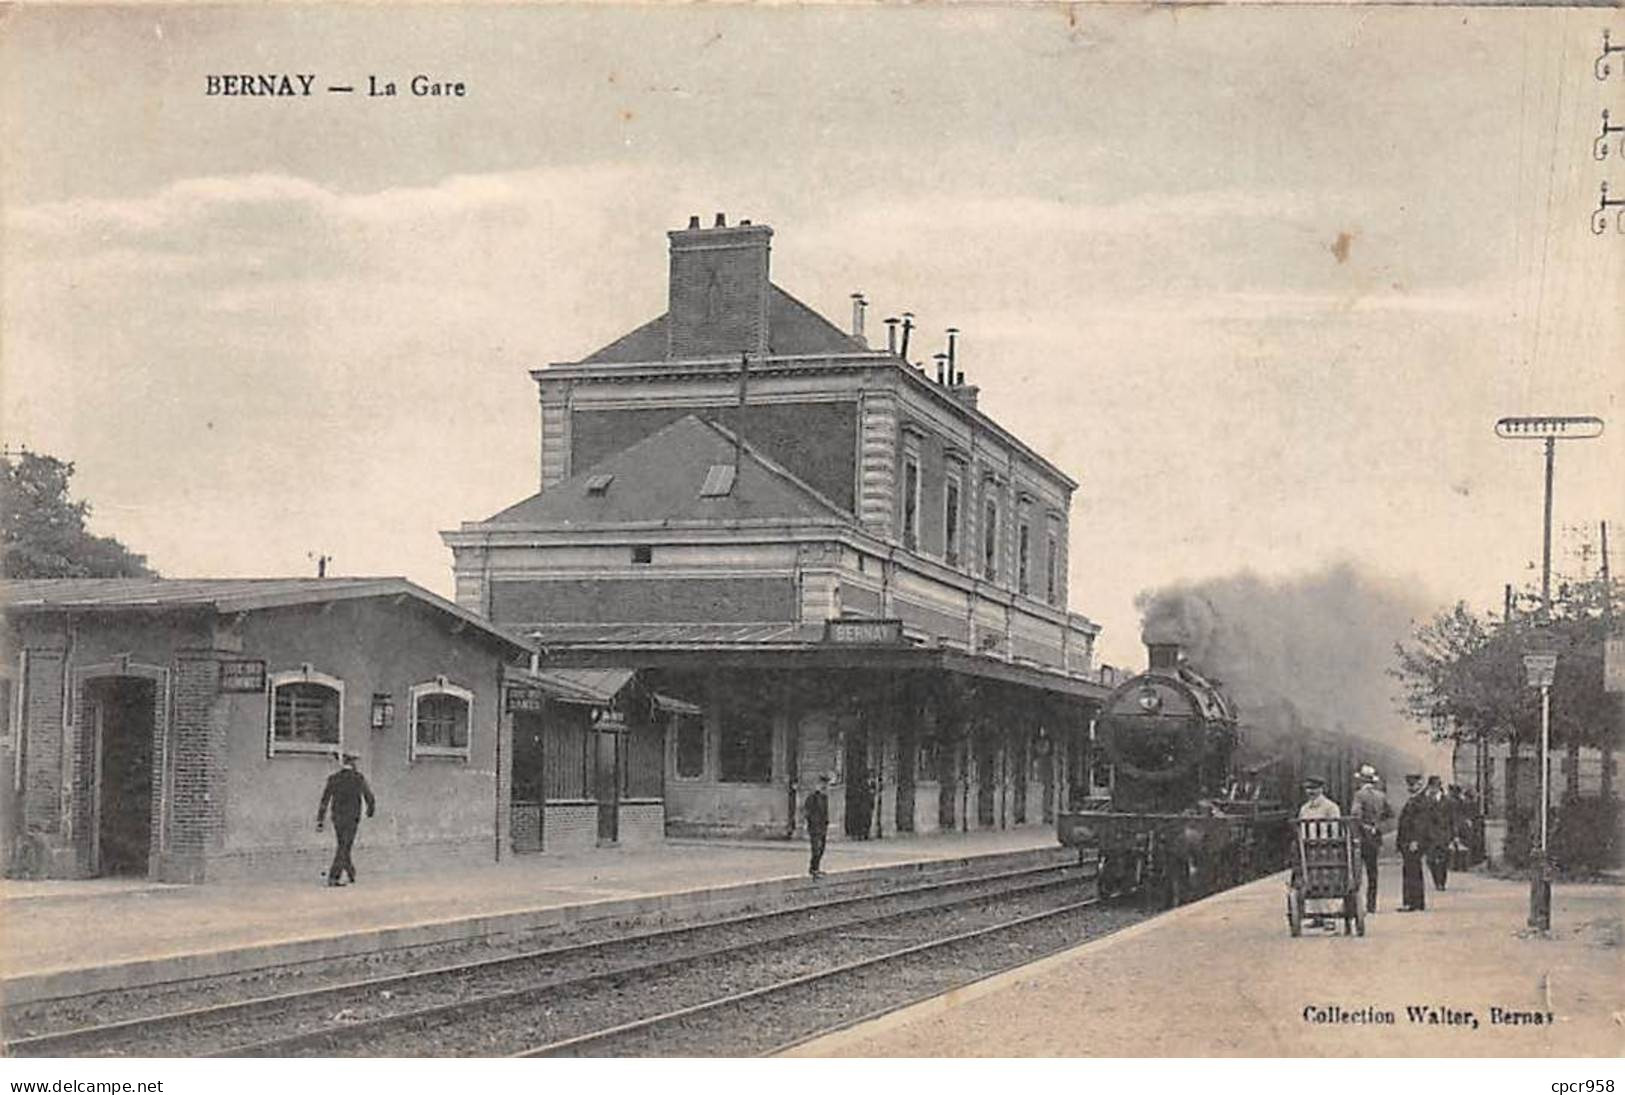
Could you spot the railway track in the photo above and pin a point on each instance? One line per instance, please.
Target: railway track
(756, 1020)
(359, 1016)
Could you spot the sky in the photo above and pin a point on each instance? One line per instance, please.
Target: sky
(1261, 279)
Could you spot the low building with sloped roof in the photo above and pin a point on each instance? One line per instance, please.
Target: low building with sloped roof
(833, 553)
(183, 730)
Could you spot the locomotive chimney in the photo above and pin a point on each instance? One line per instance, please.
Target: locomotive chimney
(1164, 656)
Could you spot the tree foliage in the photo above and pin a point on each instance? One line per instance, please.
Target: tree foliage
(42, 529)
(1463, 671)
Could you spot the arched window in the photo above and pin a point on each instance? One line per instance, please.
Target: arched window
(442, 717)
(307, 712)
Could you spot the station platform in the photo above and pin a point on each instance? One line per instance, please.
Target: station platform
(1222, 977)
(61, 938)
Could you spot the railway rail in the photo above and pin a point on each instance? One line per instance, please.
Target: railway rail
(390, 1014)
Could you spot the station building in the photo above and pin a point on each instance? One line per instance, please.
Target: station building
(834, 557)
(182, 730)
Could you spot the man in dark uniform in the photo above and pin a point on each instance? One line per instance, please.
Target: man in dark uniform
(346, 789)
(816, 811)
(1414, 838)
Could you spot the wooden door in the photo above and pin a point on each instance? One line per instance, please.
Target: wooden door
(608, 786)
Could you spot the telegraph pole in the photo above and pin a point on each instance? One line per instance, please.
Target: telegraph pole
(1540, 664)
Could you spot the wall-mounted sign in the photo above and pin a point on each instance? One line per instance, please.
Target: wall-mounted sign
(525, 698)
(864, 632)
(242, 675)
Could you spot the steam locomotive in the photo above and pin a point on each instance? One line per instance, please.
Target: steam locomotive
(1197, 801)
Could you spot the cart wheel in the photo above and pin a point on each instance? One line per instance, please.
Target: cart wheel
(1359, 919)
(1294, 913)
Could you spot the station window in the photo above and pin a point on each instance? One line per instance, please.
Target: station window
(745, 748)
(950, 523)
(690, 747)
(911, 502)
(1024, 550)
(1052, 552)
(307, 712)
(990, 541)
(642, 553)
(441, 716)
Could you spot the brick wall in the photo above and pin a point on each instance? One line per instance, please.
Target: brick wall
(643, 823)
(570, 827)
(718, 291)
(525, 824)
(197, 792)
(644, 600)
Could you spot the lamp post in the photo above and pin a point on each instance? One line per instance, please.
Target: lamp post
(1540, 664)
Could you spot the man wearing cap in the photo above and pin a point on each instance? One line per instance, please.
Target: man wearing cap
(1370, 809)
(1414, 837)
(346, 789)
(816, 811)
(1318, 806)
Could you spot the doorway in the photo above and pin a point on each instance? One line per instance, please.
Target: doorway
(907, 767)
(607, 786)
(986, 778)
(526, 795)
(121, 714)
(860, 795)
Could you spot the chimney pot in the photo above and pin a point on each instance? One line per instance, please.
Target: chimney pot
(744, 224)
(722, 221)
(860, 305)
(694, 221)
(891, 334)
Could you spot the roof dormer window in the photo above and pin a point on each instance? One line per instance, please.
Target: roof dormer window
(719, 481)
(598, 485)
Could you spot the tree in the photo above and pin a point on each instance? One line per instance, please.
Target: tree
(1463, 673)
(42, 530)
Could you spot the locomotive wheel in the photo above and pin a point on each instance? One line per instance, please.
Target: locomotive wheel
(1294, 913)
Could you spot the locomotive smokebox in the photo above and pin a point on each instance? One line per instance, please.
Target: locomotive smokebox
(1162, 656)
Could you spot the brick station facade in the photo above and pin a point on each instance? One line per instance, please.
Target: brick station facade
(727, 490)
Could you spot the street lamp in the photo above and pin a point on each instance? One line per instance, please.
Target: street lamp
(1540, 663)
(1540, 666)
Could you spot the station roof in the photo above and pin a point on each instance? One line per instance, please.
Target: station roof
(792, 328)
(665, 477)
(224, 596)
(781, 646)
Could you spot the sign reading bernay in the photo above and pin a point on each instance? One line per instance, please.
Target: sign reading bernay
(864, 632)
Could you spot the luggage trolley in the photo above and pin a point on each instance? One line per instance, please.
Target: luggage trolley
(1326, 875)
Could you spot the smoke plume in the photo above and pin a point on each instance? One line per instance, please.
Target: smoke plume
(1313, 650)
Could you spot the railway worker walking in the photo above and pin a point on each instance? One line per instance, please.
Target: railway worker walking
(1370, 809)
(816, 810)
(1415, 836)
(346, 789)
(1318, 806)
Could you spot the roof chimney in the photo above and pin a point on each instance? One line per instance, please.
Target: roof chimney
(908, 325)
(953, 340)
(891, 334)
(719, 291)
(942, 367)
(859, 306)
